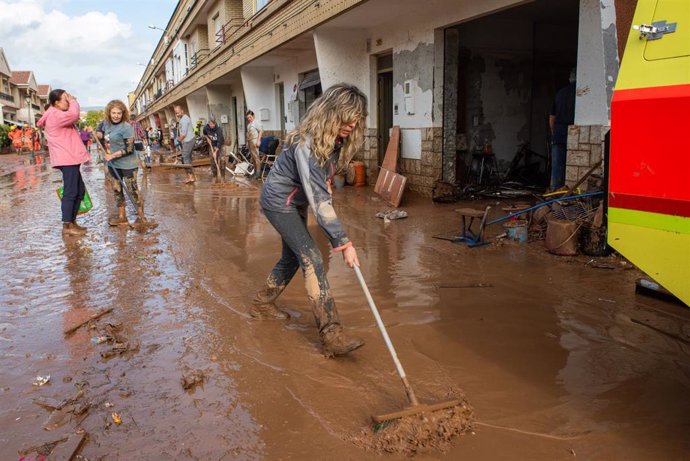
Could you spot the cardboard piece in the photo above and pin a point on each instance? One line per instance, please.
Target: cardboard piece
(390, 185)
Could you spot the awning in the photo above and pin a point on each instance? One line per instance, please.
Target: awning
(310, 79)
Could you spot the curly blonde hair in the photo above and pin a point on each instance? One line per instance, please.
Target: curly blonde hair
(116, 103)
(339, 105)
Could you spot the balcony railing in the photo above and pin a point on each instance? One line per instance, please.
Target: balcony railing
(227, 29)
(6, 97)
(198, 57)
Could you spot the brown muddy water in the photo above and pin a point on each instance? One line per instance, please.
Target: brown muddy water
(558, 359)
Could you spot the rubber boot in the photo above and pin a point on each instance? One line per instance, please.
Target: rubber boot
(263, 306)
(336, 342)
(120, 219)
(140, 215)
(81, 228)
(69, 228)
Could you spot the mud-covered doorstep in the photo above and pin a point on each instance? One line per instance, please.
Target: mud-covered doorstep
(556, 357)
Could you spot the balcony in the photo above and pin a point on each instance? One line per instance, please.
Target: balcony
(198, 57)
(6, 97)
(229, 28)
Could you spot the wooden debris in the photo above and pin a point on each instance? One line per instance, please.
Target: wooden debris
(95, 316)
(68, 450)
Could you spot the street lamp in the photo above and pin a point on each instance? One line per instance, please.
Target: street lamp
(165, 34)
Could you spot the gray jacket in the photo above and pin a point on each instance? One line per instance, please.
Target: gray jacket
(297, 181)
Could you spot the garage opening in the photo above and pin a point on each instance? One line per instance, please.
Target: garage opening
(501, 73)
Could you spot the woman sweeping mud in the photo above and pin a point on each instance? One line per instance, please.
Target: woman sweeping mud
(301, 177)
(123, 162)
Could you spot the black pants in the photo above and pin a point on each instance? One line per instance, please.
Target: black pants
(300, 251)
(73, 192)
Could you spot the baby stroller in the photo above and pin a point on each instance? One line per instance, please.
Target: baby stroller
(239, 162)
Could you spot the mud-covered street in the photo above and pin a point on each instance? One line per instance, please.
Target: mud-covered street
(559, 360)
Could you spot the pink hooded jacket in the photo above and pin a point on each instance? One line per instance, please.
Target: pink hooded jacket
(64, 144)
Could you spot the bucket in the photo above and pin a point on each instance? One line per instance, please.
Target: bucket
(517, 230)
(338, 181)
(360, 174)
(562, 237)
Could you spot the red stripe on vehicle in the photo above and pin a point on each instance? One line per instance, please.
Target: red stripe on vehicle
(650, 204)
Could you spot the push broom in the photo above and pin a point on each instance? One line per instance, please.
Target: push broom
(415, 407)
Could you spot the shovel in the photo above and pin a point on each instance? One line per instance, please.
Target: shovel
(214, 157)
(415, 407)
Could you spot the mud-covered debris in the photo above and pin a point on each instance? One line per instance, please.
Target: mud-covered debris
(48, 403)
(69, 449)
(41, 380)
(391, 215)
(59, 418)
(117, 419)
(193, 379)
(41, 450)
(433, 431)
(99, 339)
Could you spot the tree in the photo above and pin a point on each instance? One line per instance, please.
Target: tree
(93, 118)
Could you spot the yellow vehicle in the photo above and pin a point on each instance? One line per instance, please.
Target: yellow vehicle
(649, 167)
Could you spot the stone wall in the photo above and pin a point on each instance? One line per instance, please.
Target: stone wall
(585, 148)
(421, 173)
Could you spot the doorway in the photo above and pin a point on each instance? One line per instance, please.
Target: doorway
(281, 106)
(384, 102)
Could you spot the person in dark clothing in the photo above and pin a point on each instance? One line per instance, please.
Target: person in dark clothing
(329, 135)
(214, 133)
(561, 117)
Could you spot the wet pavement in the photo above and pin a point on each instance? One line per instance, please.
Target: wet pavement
(559, 360)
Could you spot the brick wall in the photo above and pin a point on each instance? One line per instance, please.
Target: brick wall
(585, 148)
(423, 173)
(248, 8)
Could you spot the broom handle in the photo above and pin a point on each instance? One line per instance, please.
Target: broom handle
(386, 338)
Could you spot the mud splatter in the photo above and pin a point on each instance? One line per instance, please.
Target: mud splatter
(434, 431)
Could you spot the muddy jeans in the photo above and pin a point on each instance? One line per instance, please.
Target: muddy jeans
(300, 251)
(129, 176)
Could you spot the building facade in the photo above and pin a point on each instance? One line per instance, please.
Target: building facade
(22, 99)
(455, 76)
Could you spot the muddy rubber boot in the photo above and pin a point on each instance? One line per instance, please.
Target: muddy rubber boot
(69, 228)
(81, 228)
(120, 219)
(336, 342)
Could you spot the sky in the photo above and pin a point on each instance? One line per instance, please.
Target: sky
(91, 48)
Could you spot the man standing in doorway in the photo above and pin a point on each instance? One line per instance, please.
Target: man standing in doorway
(185, 135)
(561, 117)
(254, 131)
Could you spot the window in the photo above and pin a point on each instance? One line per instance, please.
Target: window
(260, 4)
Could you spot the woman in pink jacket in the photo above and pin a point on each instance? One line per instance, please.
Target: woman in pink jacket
(67, 153)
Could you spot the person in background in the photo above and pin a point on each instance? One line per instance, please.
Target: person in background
(67, 153)
(215, 135)
(300, 178)
(561, 117)
(185, 136)
(122, 161)
(254, 132)
(85, 137)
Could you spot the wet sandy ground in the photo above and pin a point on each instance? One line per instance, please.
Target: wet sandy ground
(559, 360)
